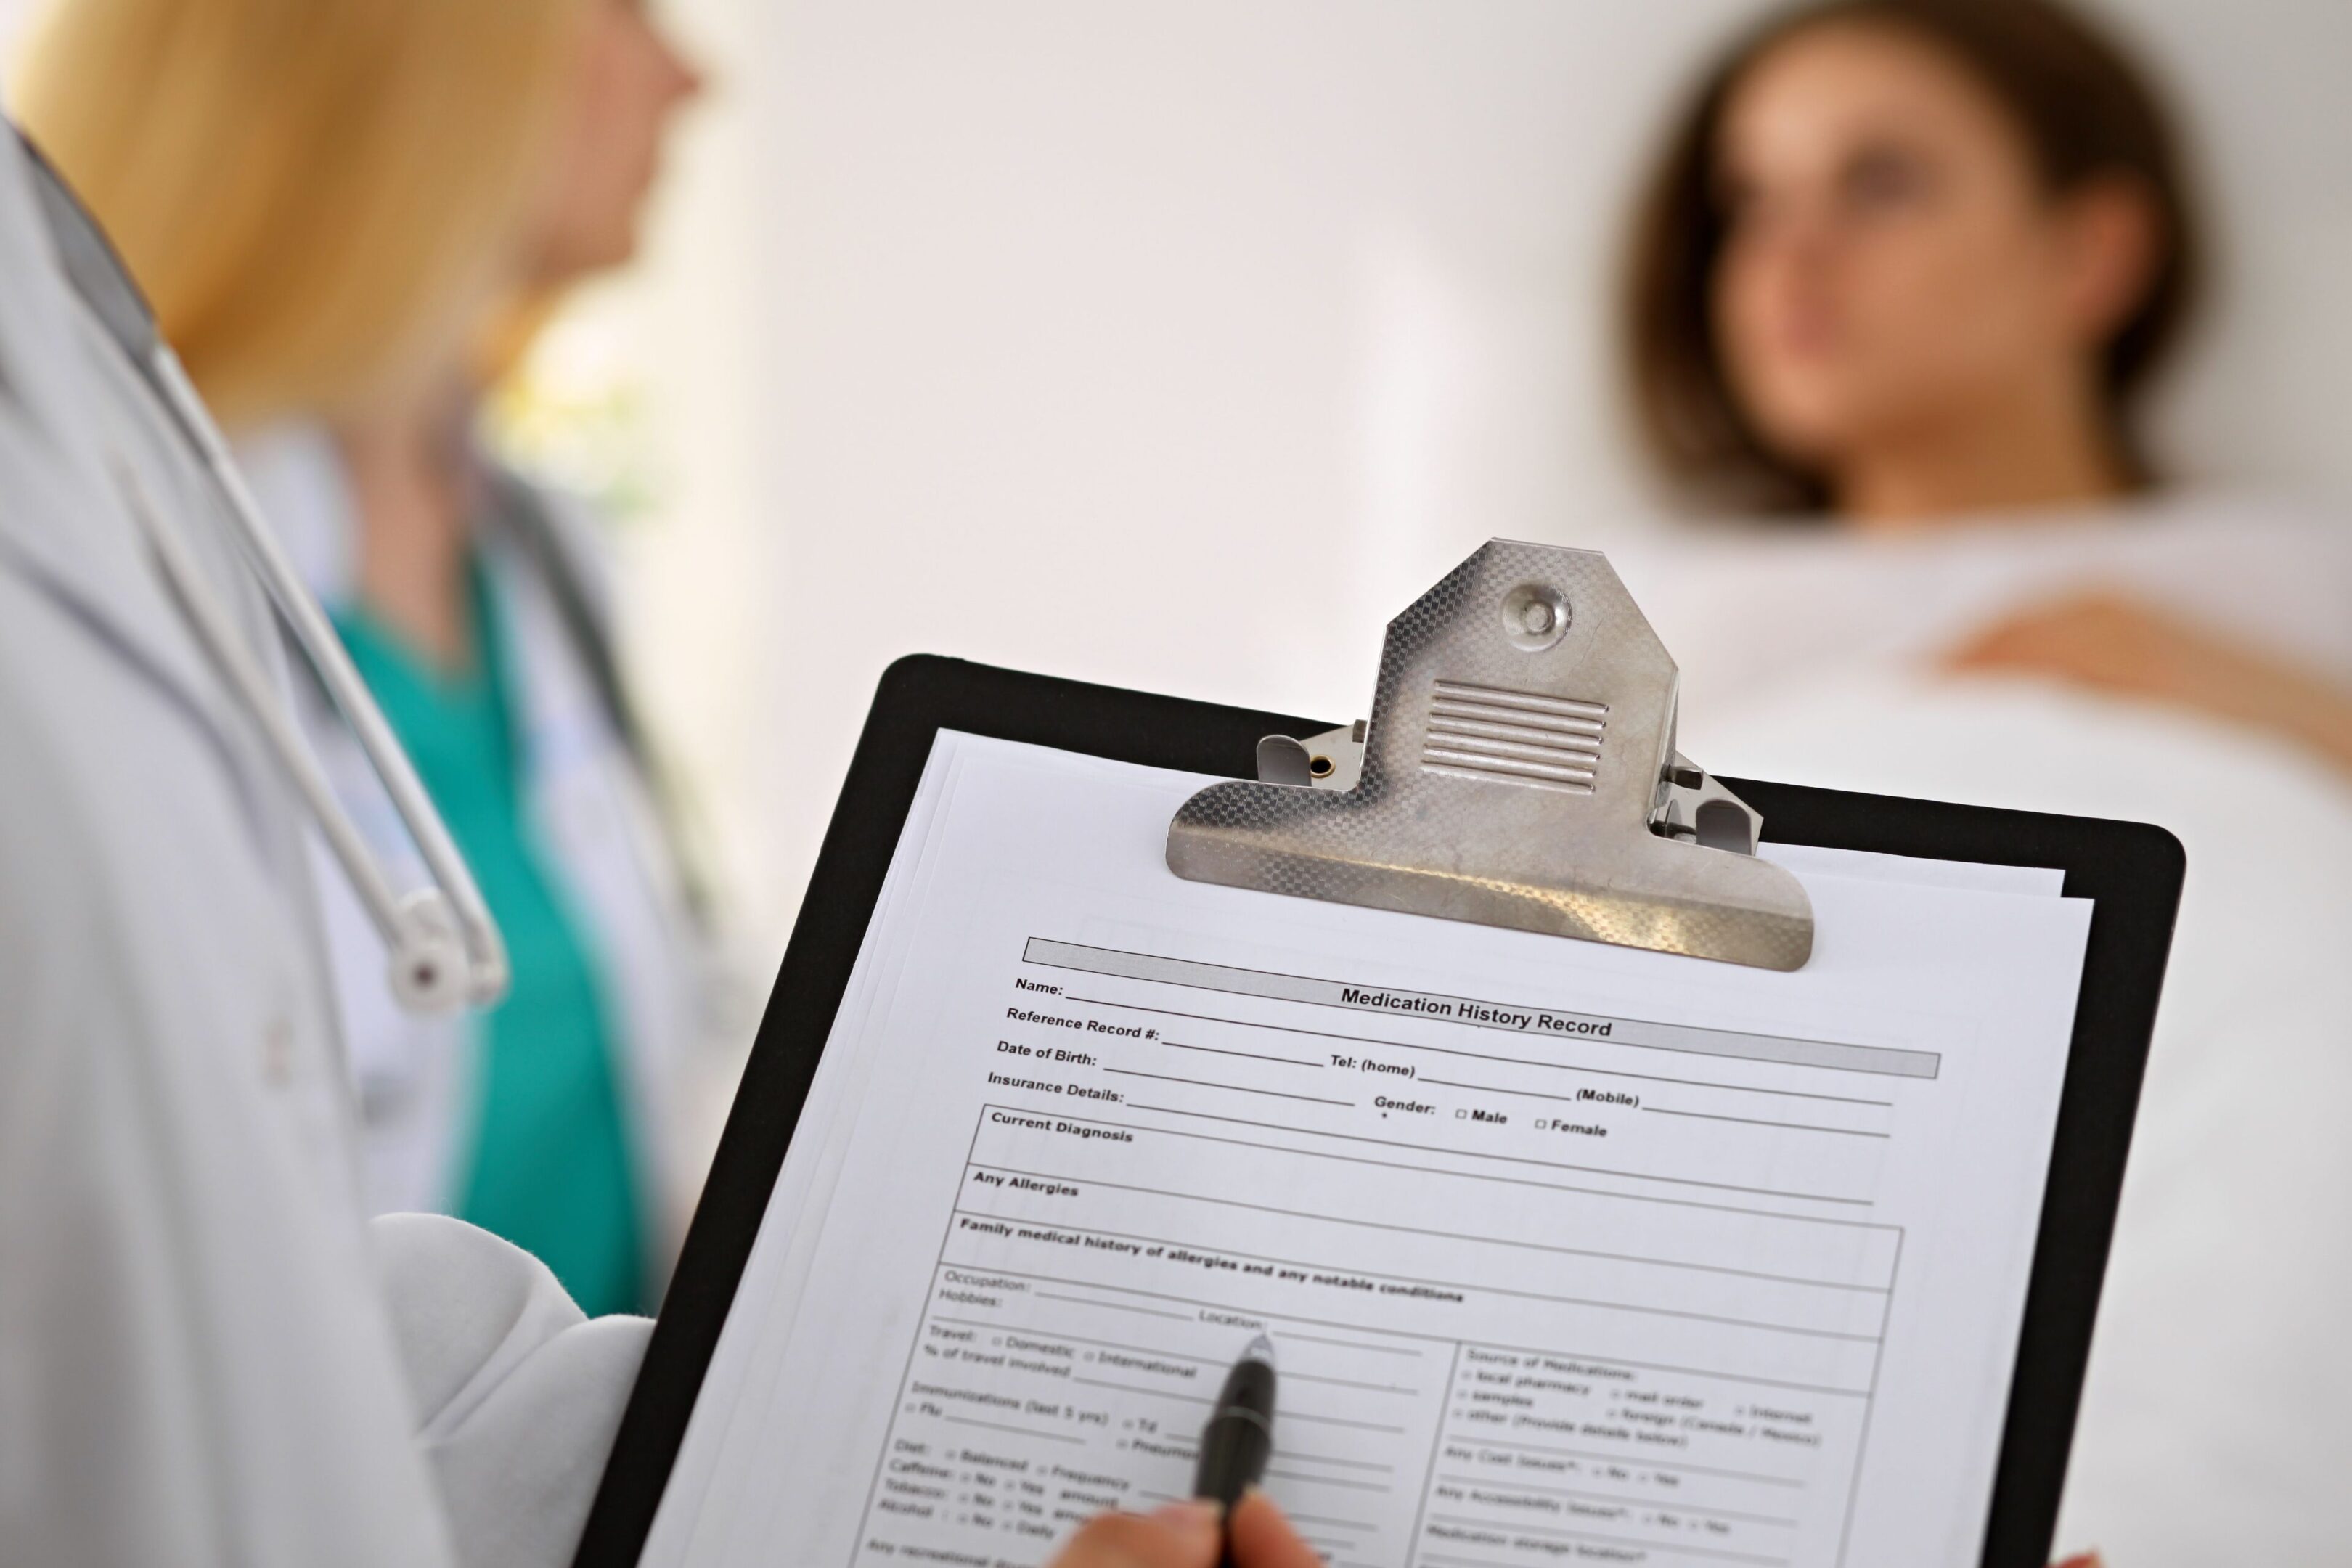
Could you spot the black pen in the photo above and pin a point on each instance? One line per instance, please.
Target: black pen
(1239, 1437)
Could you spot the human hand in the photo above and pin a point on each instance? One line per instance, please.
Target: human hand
(2114, 644)
(2110, 642)
(1185, 1535)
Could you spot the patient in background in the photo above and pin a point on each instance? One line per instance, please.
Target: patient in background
(1902, 285)
(1915, 264)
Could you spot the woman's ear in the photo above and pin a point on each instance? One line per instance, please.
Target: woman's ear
(2110, 254)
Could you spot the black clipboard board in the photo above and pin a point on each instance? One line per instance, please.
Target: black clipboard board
(2132, 871)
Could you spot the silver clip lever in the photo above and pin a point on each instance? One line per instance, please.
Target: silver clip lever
(1518, 770)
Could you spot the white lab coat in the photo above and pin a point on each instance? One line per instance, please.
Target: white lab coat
(666, 1002)
(197, 1361)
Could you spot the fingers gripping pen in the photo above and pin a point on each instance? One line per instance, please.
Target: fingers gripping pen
(1239, 1437)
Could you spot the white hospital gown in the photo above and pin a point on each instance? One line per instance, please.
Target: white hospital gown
(2217, 1420)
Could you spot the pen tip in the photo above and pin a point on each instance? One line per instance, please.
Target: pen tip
(1261, 1349)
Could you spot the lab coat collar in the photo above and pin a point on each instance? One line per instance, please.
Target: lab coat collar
(89, 429)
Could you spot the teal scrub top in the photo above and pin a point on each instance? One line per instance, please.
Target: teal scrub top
(548, 1166)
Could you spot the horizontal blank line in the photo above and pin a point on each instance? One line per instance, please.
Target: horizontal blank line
(1335, 1523)
(1152, 1393)
(1236, 1087)
(1758, 1122)
(1248, 1056)
(1330, 1481)
(1342, 1421)
(1351, 1383)
(1296, 1457)
(1114, 1306)
(1527, 1529)
(1652, 1464)
(1025, 1431)
(1351, 1344)
(1675, 1503)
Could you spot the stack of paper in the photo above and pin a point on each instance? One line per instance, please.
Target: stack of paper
(1569, 1253)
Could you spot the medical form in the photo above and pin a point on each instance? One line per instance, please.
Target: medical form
(1570, 1253)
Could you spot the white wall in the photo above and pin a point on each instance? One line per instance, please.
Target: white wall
(2265, 88)
(1176, 345)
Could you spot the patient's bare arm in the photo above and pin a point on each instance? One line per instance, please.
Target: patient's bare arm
(2113, 643)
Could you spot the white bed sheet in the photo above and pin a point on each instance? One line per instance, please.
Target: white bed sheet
(2217, 1422)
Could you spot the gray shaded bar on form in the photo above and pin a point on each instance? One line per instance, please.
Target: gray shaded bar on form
(1542, 1022)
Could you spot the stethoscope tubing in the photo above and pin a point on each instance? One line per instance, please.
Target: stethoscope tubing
(445, 946)
(416, 928)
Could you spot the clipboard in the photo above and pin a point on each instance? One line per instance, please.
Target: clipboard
(2132, 872)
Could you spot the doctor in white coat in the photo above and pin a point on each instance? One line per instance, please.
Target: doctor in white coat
(610, 847)
(332, 212)
(207, 1354)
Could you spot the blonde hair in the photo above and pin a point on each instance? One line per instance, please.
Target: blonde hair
(317, 195)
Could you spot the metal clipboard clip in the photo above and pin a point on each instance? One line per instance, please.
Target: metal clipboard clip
(1518, 770)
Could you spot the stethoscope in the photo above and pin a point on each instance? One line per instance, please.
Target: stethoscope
(445, 950)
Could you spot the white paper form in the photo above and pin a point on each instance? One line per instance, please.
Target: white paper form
(1570, 1253)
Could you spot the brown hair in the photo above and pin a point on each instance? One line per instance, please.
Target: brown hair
(2086, 112)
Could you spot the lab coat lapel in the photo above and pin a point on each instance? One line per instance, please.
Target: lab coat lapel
(89, 427)
(95, 566)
